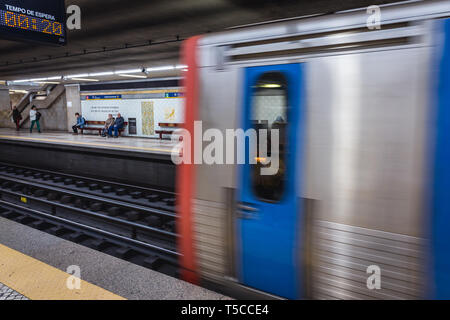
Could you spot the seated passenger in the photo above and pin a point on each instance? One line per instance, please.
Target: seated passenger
(118, 124)
(81, 123)
(108, 123)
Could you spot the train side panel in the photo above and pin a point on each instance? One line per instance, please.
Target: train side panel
(367, 121)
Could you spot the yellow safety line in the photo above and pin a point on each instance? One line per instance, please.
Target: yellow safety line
(85, 143)
(39, 281)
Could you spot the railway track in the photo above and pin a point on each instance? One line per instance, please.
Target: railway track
(131, 222)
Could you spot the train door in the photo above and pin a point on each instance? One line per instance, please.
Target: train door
(268, 209)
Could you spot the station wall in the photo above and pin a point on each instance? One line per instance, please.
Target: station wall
(148, 108)
(5, 109)
(73, 104)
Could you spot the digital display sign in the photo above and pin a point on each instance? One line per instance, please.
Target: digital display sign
(34, 20)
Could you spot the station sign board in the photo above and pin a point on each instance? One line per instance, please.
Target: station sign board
(41, 21)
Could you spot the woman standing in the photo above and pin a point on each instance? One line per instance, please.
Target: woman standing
(34, 118)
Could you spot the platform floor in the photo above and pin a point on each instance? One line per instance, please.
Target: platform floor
(34, 264)
(91, 141)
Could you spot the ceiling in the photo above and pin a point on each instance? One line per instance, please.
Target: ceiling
(116, 34)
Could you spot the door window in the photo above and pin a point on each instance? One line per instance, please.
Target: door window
(270, 111)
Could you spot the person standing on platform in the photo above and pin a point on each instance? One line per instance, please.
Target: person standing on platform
(17, 117)
(35, 116)
(118, 124)
(81, 123)
(108, 124)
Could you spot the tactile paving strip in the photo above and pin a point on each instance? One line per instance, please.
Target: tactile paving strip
(6, 293)
(40, 281)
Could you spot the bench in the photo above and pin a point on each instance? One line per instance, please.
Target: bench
(98, 126)
(167, 128)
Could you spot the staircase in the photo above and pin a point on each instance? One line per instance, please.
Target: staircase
(53, 92)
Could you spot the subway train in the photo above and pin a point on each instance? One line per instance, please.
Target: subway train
(360, 205)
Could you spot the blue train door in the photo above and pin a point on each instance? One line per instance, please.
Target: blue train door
(440, 263)
(268, 207)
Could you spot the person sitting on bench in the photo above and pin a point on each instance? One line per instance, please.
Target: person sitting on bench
(118, 125)
(81, 122)
(108, 124)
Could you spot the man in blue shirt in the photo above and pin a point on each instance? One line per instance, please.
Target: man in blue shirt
(81, 123)
(118, 125)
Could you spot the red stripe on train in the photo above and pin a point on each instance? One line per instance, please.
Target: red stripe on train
(186, 172)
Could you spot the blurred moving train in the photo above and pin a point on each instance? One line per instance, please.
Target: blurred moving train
(366, 180)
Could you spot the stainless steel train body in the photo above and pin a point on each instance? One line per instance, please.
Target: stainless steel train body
(354, 213)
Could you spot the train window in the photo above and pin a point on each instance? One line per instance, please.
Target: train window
(270, 111)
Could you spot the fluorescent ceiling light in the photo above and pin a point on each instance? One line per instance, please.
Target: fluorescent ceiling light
(21, 81)
(124, 73)
(129, 71)
(82, 79)
(163, 68)
(132, 76)
(37, 79)
(78, 75)
(100, 74)
(17, 91)
(48, 82)
(55, 78)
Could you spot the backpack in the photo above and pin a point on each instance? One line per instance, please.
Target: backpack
(38, 115)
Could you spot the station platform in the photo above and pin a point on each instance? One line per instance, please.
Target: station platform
(140, 161)
(34, 265)
(124, 144)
